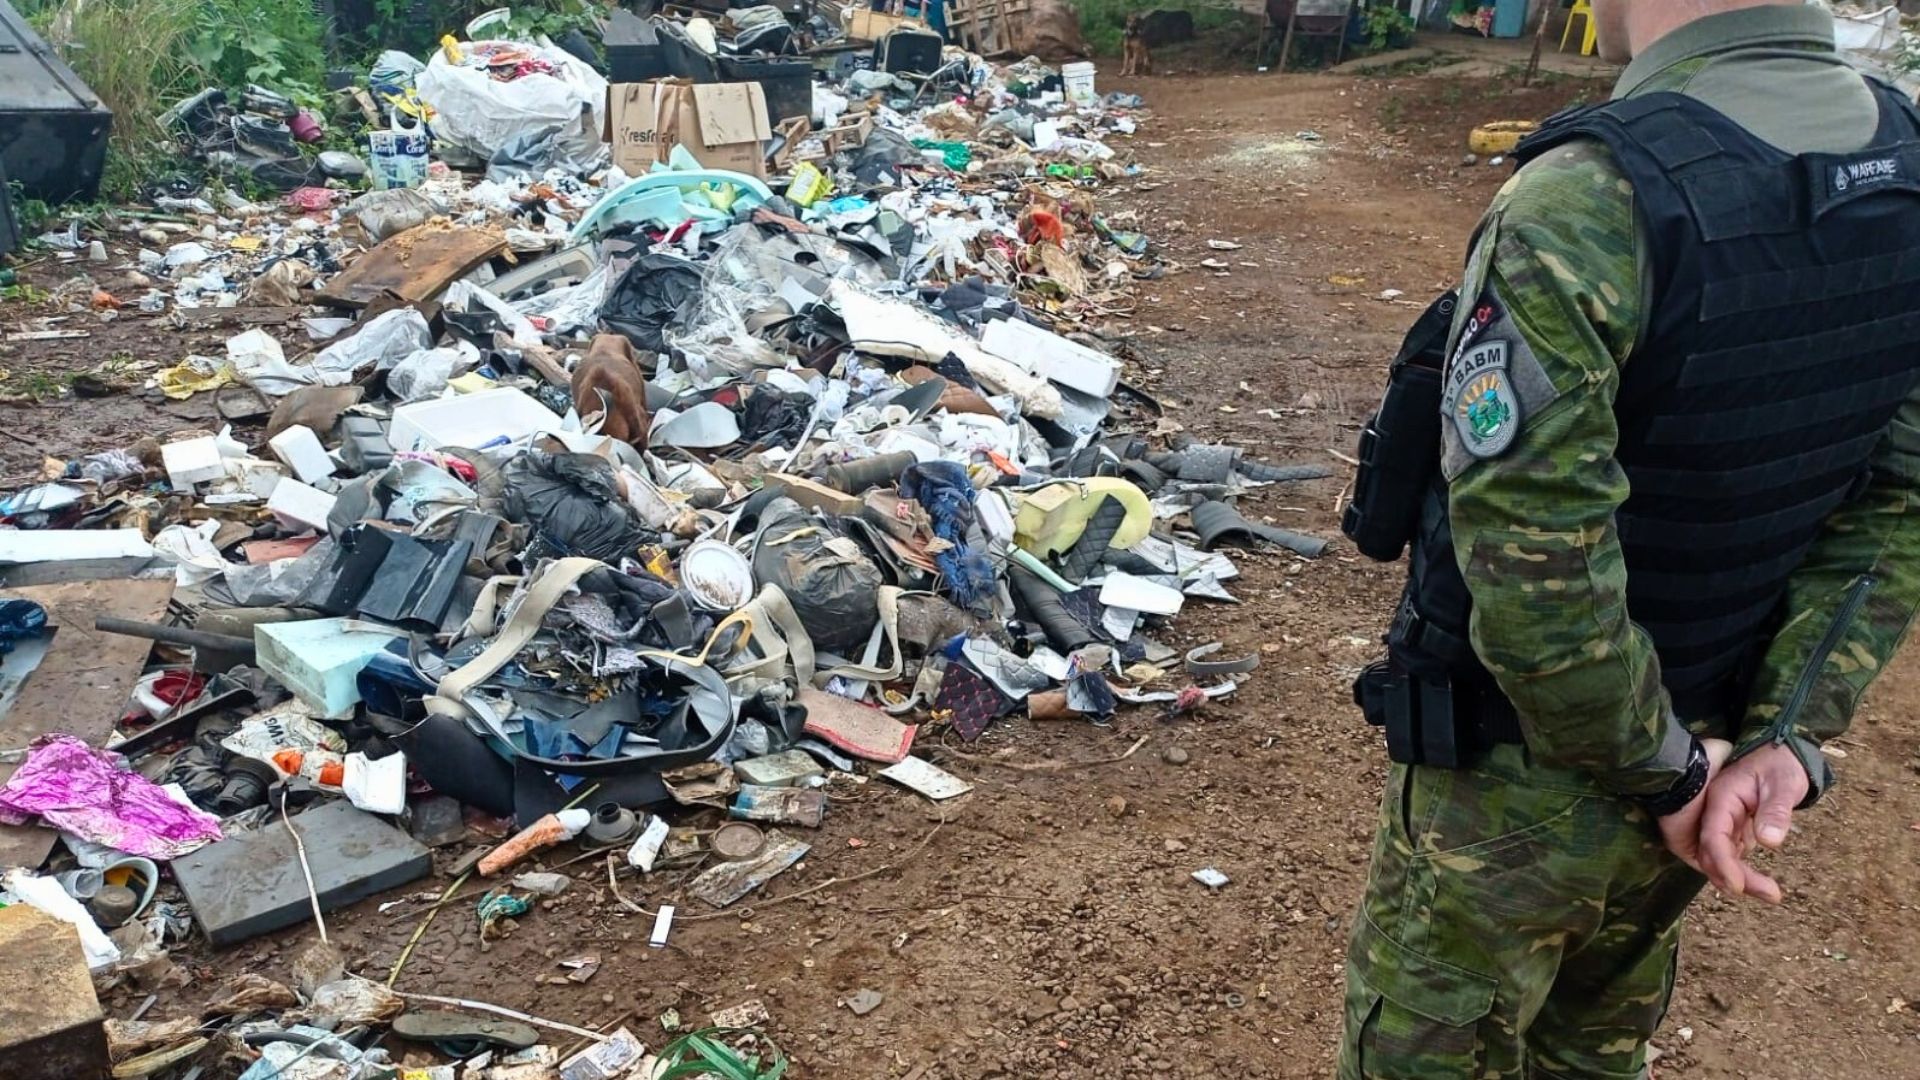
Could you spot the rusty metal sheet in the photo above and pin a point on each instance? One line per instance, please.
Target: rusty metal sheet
(82, 685)
(416, 265)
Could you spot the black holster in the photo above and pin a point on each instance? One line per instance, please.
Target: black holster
(1416, 714)
(1400, 446)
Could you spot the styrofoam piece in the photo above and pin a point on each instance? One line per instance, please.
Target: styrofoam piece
(991, 508)
(260, 478)
(470, 420)
(192, 461)
(320, 659)
(67, 545)
(1127, 591)
(1045, 353)
(926, 778)
(299, 449)
(300, 506)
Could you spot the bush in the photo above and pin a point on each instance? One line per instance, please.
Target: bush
(275, 43)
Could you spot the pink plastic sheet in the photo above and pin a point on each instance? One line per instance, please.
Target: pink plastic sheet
(90, 793)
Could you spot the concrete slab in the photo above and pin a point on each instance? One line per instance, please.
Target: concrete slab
(251, 884)
(51, 1026)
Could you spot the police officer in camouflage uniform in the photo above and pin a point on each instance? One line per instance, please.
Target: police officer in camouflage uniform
(1672, 536)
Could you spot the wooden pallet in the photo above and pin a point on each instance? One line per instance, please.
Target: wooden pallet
(988, 27)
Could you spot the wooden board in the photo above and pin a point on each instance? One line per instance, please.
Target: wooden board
(416, 265)
(82, 685)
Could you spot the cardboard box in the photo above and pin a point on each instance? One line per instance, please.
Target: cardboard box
(862, 24)
(724, 125)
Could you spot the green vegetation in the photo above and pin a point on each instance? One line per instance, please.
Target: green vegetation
(274, 43)
(1388, 28)
(1102, 21)
(702, 1054)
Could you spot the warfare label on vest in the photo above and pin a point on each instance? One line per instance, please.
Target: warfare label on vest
(1481, 400)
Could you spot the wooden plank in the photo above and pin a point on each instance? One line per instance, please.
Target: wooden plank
(416, 265)
(82, 685)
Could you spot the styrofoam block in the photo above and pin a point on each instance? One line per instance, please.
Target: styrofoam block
(1051, 356)
(471, 420)
(193, 461)
(299, 449)
(319, 659)
(300, 505)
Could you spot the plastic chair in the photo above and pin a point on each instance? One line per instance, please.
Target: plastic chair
(1582, 9)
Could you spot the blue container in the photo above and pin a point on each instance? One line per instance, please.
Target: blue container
(1510, 18)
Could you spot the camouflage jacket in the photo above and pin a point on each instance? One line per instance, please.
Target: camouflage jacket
(1559, 263)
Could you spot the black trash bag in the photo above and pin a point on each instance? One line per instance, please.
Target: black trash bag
(829, 578)
(655, 293)
(570, 502)
(775, 417)
(527, 153)
(884, 151)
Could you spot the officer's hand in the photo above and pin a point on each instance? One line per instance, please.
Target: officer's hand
(1681, 829)
(1752, 799)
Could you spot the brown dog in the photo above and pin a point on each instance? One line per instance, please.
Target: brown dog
(609, 380)
(1136, 60)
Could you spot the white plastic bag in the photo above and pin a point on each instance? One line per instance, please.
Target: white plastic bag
(190, 549)
(423, 375)
(46, 894)
(378, 787)
(477, 115)
(382, 342)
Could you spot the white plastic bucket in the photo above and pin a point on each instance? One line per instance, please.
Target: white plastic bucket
(1078, 82)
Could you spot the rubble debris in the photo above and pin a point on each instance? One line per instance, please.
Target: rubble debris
(725, 883)
(627, 464)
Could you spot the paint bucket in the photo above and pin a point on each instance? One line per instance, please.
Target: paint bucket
(397, 156)
(1077, 81)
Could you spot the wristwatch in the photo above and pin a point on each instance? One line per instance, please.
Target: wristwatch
(1693, 779)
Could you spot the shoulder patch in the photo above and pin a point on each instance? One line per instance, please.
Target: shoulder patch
(1492, 385)
(1480, 397)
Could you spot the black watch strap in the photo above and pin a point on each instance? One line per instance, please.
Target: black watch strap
(1684, 790)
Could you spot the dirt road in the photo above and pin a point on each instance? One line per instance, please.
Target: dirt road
(1046, 925)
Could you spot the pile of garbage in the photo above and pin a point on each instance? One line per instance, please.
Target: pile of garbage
(631, 498)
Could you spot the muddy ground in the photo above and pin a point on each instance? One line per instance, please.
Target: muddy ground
(1046, 925)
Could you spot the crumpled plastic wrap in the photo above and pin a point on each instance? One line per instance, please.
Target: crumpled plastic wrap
(383, 341)
(476, 114)
(90, 793)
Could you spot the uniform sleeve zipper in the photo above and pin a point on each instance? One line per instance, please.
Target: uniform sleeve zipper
(1802, 689)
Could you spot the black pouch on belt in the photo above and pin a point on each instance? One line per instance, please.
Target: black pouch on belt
(1400, 446)
(1416, 714)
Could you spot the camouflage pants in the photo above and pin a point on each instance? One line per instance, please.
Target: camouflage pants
(1518, 922)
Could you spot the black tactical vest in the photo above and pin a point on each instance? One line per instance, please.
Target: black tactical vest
(1785, 333)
